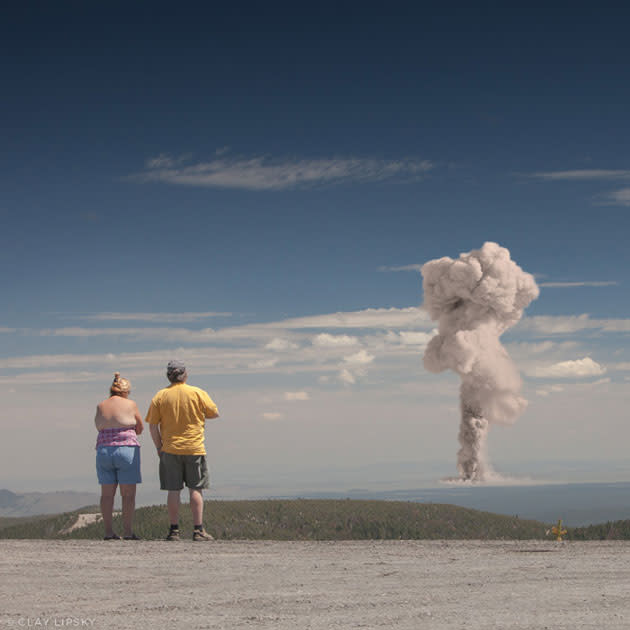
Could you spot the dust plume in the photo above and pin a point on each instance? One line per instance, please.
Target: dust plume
(475, 299)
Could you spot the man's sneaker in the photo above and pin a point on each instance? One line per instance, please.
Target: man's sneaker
(173, 535)
(202, 534)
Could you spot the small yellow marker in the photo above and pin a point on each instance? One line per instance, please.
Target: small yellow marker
(558, 531)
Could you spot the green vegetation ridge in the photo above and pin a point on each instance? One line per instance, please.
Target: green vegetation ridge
(321, 519)
(305, 519)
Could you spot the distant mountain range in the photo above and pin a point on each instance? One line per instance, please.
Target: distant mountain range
(577, 504)
(32, 503)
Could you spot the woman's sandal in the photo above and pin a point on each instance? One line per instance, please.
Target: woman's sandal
(112, 537)
(132, 537)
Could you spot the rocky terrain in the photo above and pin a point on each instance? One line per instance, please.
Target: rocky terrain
(318, 585)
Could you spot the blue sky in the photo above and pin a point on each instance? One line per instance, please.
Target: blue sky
(218, 183)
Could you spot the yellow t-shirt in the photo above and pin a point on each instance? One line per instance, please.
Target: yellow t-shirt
(181, 410)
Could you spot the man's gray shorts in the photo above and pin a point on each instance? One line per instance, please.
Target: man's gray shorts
(175, 470)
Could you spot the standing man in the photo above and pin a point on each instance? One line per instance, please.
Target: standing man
(176, 419)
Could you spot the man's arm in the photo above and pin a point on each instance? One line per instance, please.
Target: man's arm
(211, 410)
(156, 436)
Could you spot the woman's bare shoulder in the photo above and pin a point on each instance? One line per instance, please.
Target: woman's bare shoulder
(127, 403)
(115, 402)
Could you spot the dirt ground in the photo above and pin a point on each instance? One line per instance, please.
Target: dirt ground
(300, 585)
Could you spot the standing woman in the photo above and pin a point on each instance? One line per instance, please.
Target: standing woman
(119, 422)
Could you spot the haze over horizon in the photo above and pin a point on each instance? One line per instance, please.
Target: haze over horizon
(255, 189)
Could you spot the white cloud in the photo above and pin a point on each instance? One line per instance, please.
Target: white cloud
(164, 318)
(359, 358)
(296, 396)
(526, 348)
(347, 377)
(49, 378)
(415, 267)
(409, 338)
(619, 197)
(264, 173)
(583, 174)
(371, 318)
(354, 366)
(163, 160)
(580, 368)
(549, 389)
(39, 361)
(272, 415)
(280, 345)
(163, 334)
(410, 317)
(615, 325)
(552, 325)
(263, 364)
(597, 383)
(569, 389)
(559, 325)
(238, 349)
(585, 283)
(325, 340)
(271, 347)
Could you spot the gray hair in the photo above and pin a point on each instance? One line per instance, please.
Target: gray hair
(176, 371)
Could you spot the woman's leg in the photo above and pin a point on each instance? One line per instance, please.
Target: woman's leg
(108, 492)
(128, 494)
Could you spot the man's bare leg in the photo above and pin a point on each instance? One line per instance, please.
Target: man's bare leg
(196, 506)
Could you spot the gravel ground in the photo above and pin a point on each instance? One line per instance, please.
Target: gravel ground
(300, 585)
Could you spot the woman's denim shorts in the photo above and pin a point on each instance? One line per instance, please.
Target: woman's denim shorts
(118, 464)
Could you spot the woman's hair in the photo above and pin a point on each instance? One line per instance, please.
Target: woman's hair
(119, 385)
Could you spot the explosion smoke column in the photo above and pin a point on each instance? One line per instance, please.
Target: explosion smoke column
(475, 299)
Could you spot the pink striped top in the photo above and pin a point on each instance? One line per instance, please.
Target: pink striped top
(123, 436)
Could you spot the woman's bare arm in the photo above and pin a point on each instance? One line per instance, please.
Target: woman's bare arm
(138, 417)
(98, 418)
